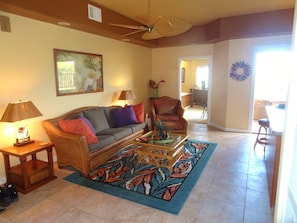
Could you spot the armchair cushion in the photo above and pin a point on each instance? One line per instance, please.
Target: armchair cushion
(172, 117)
(165, 107)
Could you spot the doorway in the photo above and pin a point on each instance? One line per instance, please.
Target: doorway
(194, 87)
(271, 81)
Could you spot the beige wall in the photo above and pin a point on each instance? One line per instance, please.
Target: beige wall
(240, 94)
(231, 101)
(166, 65)
(218, 89)
(27, 71)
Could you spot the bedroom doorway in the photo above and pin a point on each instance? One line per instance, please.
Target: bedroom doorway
(194, 86)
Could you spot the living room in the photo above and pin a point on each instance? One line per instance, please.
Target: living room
(28, 73)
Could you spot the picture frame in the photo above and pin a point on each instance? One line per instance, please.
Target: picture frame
(78, 72)
(182, 75)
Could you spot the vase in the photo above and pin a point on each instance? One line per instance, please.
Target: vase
(155, 92)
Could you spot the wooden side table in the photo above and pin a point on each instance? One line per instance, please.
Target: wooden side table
(29, 174)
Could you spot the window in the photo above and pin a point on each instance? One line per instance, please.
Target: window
(272, 74)
(202, 77)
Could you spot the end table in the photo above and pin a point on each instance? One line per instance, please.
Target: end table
(29, 174)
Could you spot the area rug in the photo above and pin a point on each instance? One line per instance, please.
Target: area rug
(153, 186)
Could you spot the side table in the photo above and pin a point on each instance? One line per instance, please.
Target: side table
(29, 174)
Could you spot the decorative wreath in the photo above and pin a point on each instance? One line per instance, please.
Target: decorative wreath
(240, 71)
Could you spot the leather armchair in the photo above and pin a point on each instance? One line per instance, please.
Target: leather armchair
(170, 112)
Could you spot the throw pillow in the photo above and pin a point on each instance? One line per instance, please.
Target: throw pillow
(124, 116)
(97, 118)
(79, 127)
(89, 124)
(139, 112)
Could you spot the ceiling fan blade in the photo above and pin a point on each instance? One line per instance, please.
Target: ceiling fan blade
(163, 26)
(128, 26)
(179, 26)
(157, 26)
(154, 34)
(132, 33)
(147, 20)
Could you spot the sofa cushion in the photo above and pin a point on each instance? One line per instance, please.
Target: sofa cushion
(103, 140)
(74, 115)
(117, 133)
(124, 116)
(168, 117)
(97, 117)
(79, 127)
(139, 112)
(136, 127)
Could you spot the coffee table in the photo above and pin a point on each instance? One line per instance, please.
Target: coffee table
(164, 153)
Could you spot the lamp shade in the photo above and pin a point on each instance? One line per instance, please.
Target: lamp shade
(127, 95)
(18, 111)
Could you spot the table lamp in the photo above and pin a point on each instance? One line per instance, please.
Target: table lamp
(127, 95)
(18, 111)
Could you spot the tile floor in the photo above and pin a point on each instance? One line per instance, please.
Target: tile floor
(232, 188)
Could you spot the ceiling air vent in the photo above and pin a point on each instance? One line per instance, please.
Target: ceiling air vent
(94, 13)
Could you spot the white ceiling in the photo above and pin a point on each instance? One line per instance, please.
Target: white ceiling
(197, 12)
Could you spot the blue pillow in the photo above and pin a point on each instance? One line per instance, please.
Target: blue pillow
(124, 116)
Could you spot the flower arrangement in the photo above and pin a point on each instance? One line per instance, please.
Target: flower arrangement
(154, 84)
(161, 131)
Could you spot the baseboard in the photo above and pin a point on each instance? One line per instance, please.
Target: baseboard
(228, 129)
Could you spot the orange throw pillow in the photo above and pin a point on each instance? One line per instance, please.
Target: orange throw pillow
(139, 112)
(79, 127)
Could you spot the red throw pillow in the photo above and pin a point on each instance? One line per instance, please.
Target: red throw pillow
(139, 112)
(79, 127)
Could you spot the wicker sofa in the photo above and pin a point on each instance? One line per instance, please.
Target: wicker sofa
(75, 150)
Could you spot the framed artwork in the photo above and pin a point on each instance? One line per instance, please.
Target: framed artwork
(78, 73)
(182, 75)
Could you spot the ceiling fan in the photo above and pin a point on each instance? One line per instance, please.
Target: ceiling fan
(156, 26)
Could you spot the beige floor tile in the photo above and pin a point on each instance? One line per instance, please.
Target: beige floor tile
(4, 219)
(127, 212)
(45, 211)
(74, 215)
(226, 193)
(232, 178)
(218, 211)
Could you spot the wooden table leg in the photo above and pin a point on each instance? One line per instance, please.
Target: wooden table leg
(50, 160)
(23, 160)
(7, 166)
